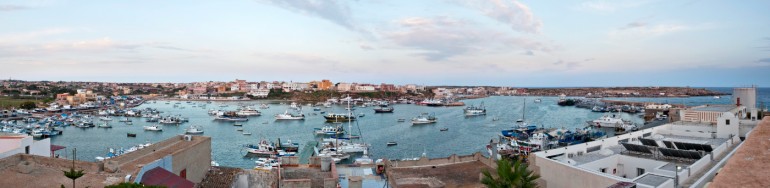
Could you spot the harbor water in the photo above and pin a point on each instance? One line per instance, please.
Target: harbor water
(465, 135)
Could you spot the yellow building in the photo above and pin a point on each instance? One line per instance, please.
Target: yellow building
(325, 85)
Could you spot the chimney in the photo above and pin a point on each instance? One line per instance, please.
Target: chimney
(738, 101)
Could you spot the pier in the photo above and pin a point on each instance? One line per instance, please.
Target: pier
(307, 152)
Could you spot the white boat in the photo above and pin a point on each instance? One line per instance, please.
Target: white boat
(105, 118)
(262, 149)
(612, 121)
(294, 106)
(194, 130)
(248, 112)
(331, 152)
(329, 130)
(246, 133)
(153, 128)
(264, 106)
(538, 101)
(288, 116)
(424, 119)
(475, 110)
(345, 147)
(104, 125)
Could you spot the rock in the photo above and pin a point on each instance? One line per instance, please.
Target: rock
(25, 167)
(111, 166)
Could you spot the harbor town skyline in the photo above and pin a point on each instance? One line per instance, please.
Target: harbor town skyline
(496, 43)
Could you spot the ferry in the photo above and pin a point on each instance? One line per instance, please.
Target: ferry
(288, 116)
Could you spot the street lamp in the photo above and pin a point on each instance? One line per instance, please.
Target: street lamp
(676, 176)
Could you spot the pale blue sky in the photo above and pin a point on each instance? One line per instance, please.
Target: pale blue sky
(434, 42)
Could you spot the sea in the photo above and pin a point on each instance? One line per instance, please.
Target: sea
(465, 135)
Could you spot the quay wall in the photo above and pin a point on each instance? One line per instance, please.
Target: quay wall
(424, 161)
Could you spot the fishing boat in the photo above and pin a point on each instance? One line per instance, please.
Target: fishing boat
(194, 130)
(361, 114)
(237, 124)
(444, 129)
(475, 110)
(248, 112)
(392, 143)
(538, 101)
(289, 116)
(125, 120)
(104, 125)
(169, 120)
(329, 130)
(262, 149)
(230, 116)
(424, 119)
(401, 120)
(247, 133)
(153, 128)
(130, 134)
(332, 117)
(385, 109)
(105, 118)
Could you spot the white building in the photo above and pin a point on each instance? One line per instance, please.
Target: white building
(344, 86)
(261, 93)
(234, 87)
(365, 88)
(11, 144)
(671, 155)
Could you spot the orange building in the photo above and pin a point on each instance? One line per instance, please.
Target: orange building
(325, 85)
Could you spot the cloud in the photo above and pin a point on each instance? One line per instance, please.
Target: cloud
(529, 52)
(637, 30)
(334, 11)
(559, 62)
(610, 6)
(440, 38)
(635, 24)
(511, 12)
(8, 8)
(366, 47)
(764, 60)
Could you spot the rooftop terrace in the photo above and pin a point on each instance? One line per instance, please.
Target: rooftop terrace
(750, 165)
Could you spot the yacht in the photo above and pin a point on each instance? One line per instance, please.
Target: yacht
(424, 119)
(613, 121)
(153, 128)
(194, 130)
(288, 116)
(264, 106)
(345, 147)
(248, 112)
(475, 110)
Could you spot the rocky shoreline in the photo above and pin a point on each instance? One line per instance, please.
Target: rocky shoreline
(599, 92)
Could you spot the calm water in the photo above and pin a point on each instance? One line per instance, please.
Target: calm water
(466, 134)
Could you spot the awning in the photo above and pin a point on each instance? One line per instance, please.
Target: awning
(56, 147)
(162, 177)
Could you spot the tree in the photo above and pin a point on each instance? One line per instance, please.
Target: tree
(29, 105)
(72, 173)
(510, 174)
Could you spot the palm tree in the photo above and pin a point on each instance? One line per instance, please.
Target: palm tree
(72, 173)
(510, 174)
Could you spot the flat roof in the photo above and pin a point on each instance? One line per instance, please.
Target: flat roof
(620, 150)
(464, 174)
(715, 108)
(652, 179)
(750, 165)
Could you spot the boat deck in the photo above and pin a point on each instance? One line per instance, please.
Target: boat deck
(307, 152)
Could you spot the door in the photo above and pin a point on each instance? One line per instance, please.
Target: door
(183, 173)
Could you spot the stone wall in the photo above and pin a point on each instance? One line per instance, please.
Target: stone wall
(196, 159)
(58, 162)
(296, 183)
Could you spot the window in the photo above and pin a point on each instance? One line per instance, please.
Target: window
(727, 122)
(26, 150)
(603, 170)
(639, 171)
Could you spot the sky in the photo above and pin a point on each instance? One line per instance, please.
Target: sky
(429, 42)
